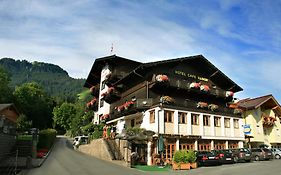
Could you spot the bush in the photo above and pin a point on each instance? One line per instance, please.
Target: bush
(46, 138)
(180, 156)
(191, 156)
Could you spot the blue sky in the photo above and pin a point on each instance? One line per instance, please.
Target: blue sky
(240, 37)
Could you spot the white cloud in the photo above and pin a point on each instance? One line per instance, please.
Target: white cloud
(73, 33)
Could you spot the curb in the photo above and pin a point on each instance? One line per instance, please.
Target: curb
(44, 158)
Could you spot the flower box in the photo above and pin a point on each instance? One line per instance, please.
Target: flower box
(167, 100)
(194, 85)
(180, 166)
(237, 111)
(202, 105)
(213, 107)
(204, 88)
(193, 165)
(229, 94)
(162, 78)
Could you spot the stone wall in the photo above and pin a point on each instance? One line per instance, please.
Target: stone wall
(96, 148)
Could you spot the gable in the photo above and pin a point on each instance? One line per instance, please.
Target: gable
(194, 68)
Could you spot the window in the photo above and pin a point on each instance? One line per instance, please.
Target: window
(102, 85)
(217, 121)
(195, 119)
(152, 116)
(186, 146)
(206, 120)
(227, 122)
(101, 103)
(182, 118)
(236, 123)
(132, 122)
(168, 116)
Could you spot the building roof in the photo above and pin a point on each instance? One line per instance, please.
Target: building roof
(267, 101)
(113, 60)
(7, 105)
(198, 62)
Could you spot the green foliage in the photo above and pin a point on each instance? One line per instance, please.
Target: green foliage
(97, 131)
(52, 78)
(63, 115)
(32, 100)
(24, 137)
(23, 124)
(89, 128)
(180, 156)
(6, 95)
(134, 130)
(46, 138)
(191, 156)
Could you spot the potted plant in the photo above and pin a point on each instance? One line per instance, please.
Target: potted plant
(191, 155)
(180, 160)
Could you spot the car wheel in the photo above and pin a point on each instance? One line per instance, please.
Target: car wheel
(257, 158)
(277, 156)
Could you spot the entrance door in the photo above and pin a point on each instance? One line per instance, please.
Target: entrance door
(169, 151)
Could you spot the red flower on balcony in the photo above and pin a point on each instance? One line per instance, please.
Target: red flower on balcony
(204, 88)
(119, 108)
(92, 102)
(162, 78)
(194, 85)
(202, 105)
(105, 116)
(110, 90)
(229, 94)
(128, 104)
(125, 106)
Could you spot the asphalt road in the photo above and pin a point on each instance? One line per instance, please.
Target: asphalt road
(63, 160)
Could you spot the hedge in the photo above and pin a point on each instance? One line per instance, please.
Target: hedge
(46, 138)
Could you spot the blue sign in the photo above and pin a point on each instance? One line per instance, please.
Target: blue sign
(247, 129)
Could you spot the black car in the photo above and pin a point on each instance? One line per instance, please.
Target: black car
(207, 158)
(225, 156)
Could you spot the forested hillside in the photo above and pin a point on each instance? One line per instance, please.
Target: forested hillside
(52, 78)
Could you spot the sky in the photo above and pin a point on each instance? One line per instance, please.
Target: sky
(240, 37)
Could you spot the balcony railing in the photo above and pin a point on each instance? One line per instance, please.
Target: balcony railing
(268, 121)
(192, 87)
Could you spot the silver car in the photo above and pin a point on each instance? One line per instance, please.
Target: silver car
(276, 152)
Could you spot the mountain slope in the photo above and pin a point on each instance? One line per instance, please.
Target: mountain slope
(52, 78)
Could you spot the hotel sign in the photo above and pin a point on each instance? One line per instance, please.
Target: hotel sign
(247, 129)
(188, 75)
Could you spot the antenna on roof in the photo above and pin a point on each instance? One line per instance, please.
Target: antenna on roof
(111, 49)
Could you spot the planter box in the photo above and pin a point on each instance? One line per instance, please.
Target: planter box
(193, 165)
(181, 166)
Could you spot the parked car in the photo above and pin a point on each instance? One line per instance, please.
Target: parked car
(261, 154)
(276, 152)
(80, 140)
(225, 156)
(207, 158)
(241, 155)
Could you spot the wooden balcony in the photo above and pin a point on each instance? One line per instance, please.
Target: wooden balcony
(184, 85)
(268, 121)
(111, 97)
